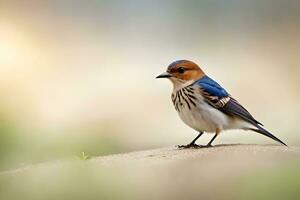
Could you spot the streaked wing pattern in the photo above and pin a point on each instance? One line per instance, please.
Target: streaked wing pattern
(234, 108)
(219, 98)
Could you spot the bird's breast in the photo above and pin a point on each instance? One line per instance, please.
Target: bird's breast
(195, 112)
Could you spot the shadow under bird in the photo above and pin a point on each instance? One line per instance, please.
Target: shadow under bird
(205, 106)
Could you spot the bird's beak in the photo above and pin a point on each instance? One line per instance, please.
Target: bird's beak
(164, 75)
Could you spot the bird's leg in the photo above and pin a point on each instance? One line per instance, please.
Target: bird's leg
(210, 142)
(192, 144)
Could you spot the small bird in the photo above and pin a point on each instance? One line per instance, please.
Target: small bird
(205, 106)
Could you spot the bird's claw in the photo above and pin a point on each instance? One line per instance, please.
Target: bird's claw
(190, 146)
(193, 146)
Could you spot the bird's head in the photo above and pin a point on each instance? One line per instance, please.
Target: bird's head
(182, 73)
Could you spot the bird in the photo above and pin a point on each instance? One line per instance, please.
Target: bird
(205, 106)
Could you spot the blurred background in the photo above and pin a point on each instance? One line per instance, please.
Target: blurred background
(78, 76)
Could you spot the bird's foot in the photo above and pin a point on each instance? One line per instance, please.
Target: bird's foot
(208, 146)
(193, 146)
(189, 146)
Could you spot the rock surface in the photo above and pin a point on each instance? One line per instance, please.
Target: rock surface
(220, 172)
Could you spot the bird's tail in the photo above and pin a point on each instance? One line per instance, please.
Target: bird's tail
(267, 133)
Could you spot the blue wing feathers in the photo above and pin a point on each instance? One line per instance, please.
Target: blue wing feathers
(232, 107)
(213, 93)
(212, 87)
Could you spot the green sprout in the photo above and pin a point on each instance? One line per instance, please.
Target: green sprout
(84, 156)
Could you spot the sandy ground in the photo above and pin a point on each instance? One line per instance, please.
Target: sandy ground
(204, 154)
(170, 173)
(218, 153)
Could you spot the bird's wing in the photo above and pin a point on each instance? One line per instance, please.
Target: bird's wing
(219, 98)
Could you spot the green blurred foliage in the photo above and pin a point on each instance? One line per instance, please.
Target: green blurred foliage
(72, 182)
(9, 139)
(276, 183)
(17, 154)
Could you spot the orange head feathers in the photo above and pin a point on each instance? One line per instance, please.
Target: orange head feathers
(183, 71)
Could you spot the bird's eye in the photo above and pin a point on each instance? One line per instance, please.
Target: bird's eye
(181, 70)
